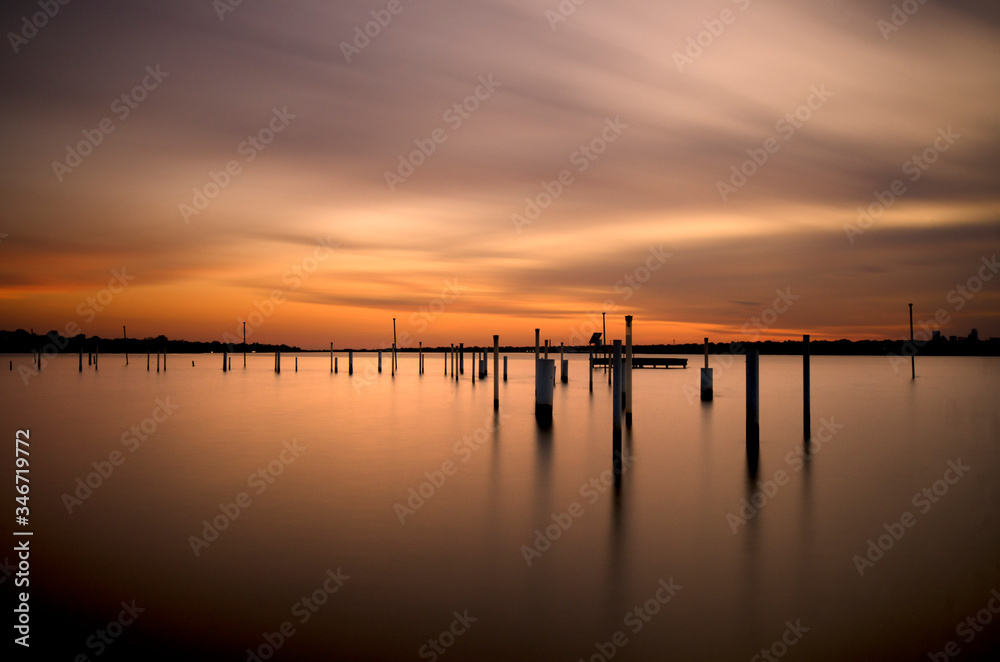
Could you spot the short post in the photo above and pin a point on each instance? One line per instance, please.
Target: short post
(616, 415)
(164, 358)
(97, 357)
(393, 357)
(296, 364)
(157, 362)
(230, 362)
(350, 362)
(496, 372)
(627, 397)
(90, 358)
(225, 361)
(380, 362)
(913, 348)
(245, 345)
(461, 358)
(420, 357)
(125, 338)
(449, 360)
(331, 357)
(806, 407)
(336, 365)
(473, 366)
(753, 399)
(147, 361)
(707, 379)
(505, 368)
(545, 382)
(81, 361)
(277, 362)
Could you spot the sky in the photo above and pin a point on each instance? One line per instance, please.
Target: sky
(741, 170)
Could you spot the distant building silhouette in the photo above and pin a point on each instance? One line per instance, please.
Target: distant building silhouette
(935, 336)
(974, 335)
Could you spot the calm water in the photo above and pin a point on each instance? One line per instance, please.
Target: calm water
(361, 443)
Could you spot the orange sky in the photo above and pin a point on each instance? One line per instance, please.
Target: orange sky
(551, 170)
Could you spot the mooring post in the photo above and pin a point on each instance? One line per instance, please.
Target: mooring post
(461, 358)
(420, 357)
(394, 364)
(616, 397)
(562, 362)
(707, 379)
(277, 361)
(157, 362)
(449, 360)
(806, 407)
(379, 362)
(627, 397)
(97, 357)
(81, 361)
(331, 358)
(164, 358)
(336, 365)
(505, 368)
(245, 345)
(590, 364)
(913, 348)
(296, 364)
(350, 362)
(473, 366)
(231, 362)
(90, 358)
(125, 339)
(496, 372)
(147, 361)
(225, 362)
(545, 382)
(753, 398)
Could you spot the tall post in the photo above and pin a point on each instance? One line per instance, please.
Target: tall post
(449, 359)
(473, 366)
(590, 363)
(147, 361)
(296, 364)
(806, 413)
(537, 355)
(753, 398)
(913, 348)
(245, 346)
(607, 354)
(420, 357)
(225, 361)
(81, 360)
(336, 365)
(350, 362)
(380, 362)
(461, 358)
(97, 357)
(616, 397)
(545, 381)
(125, 338)
(164, 358)
(505, 368)
(331, 357)
(563, 377)
(628, 371)
(157, 362)
(496, 372)
(707, 379)
(277, 362)
(394, 364)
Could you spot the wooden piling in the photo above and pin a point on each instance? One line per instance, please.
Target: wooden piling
(420, 358)
(157, 362)
(505, 368)
(380, 362)
(563, 364)
(616, 396)
(277, 362)
(913, 348)
(473, 366)
(496, 372)
(806, 406)
(627, 397)
(225, 362)
(707, 379)
(125, 338)
(147, 361)
(245, 345)
(336, 365)
(97, 356)
(590, 367)
(164, 359)
(461, 358)
(350, 362)
(753, 398)
(331, 357)
(81, 360)
(393, 357)
(296, 364)
(545, 382)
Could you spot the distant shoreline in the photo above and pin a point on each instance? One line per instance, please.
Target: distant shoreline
(24, 342)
